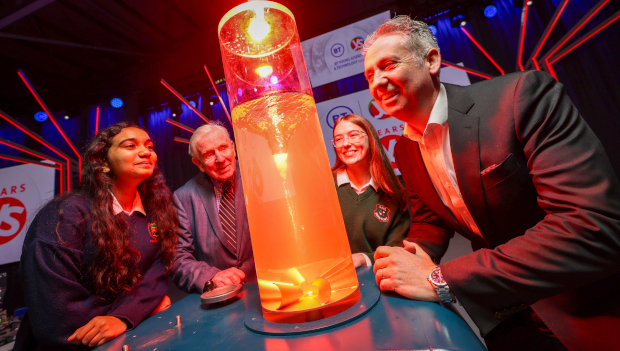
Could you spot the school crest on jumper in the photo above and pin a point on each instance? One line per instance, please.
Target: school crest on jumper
(153, 232)
(382, 213)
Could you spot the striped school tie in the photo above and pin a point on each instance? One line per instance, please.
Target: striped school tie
(227, 214)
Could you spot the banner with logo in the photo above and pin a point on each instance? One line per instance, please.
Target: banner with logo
(24, 190)
(338, 54)
(362, 103)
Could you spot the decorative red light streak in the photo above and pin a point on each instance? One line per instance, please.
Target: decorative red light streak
(522, 35)
(58, 127)
(571, 33)
(46, 144)
(483, 51)
(23, 160)
(468, 70)
(180, 125)
(176, 93)
(97, 122)
(218, 95)
(556, 17)
(181, 140)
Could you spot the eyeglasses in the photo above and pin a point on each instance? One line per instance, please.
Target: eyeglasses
(353, 136)
(224, 150)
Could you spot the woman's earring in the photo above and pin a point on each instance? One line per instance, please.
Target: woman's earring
(106, 169)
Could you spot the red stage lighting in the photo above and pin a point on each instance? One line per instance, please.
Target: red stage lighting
(180, 125)
(468, 70)
(483, 51)
(24, 160)
(181, 140)
(97, 122)
(176, 93)
(522, 35)
(218, 95)
(556, 17)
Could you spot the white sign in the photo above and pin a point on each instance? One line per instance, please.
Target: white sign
(338, 54)
(362, 103)
(24, 190)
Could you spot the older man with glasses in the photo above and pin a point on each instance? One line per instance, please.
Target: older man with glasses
(214, 247)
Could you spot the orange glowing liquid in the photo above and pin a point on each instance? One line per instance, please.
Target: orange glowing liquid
(301, 250)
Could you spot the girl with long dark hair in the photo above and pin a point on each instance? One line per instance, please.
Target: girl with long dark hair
(372, 200)
(95, 262)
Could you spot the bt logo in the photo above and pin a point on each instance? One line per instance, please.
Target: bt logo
(336, 113)
(337, 50)
(357, 43)
(12, 218)
(376, 111)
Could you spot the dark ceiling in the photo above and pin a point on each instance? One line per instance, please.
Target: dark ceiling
(80, 52)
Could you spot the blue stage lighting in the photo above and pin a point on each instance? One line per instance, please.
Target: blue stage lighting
(193, 103)
(40, 116)
(116, 103)
(490, 11)
(433, 29)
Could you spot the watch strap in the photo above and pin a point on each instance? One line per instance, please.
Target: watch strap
(442, 290)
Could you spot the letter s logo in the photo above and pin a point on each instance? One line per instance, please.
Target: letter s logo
(13, 216)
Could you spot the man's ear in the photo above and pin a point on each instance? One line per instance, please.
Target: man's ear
(197, 163)
(433, 57)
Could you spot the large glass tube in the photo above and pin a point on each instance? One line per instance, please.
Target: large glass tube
(302, 255)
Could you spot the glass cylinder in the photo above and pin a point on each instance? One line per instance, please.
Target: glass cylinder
(303, 259)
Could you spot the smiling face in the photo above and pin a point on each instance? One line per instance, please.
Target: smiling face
(216, 155)
(131, 157)
(352, 153)
(404, 88)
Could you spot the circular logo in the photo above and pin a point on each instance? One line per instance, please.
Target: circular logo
(376, 111)
(389, 142)
(357, 43)
(337, 50)
(13, 216)
(336, 113)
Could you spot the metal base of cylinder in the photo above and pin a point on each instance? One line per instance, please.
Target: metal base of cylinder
(313, 321)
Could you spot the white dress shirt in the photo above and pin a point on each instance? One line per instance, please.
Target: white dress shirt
(437, 155)
(136, 206)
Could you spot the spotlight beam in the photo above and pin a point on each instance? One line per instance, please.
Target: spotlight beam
(468, 70)
(176, 93)
(181, 140)
(25, 160)
(582, 22)
(522, 36)
(218, 95)
(585, 37)
(36, 95)
(38, 138)
(545, 35)
(483, 51)
(180, 125)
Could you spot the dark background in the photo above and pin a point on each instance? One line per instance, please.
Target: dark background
(79, 54)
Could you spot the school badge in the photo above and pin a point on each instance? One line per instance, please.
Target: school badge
(153, 232)
(382, 213)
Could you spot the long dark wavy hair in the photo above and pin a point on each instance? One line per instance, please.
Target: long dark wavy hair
(380, 167)
(114, 265)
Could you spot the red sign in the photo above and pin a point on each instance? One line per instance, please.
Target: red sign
(13, 216)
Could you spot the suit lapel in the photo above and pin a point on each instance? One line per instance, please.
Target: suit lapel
(465, 147)
(207, 196)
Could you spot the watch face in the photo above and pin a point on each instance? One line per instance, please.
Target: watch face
(436, 277)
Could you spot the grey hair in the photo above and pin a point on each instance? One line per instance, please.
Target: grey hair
(201, 131)
(417, 37)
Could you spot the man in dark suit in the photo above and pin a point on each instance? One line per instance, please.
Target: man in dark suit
(509, 164)
(214, 248)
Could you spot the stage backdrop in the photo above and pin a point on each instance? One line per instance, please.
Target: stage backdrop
(23, 191)
(338, 54)
(361, 103)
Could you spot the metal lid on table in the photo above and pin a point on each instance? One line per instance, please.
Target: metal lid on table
(220, 294)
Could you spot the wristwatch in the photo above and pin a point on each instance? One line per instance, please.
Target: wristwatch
(209, 285)
(440, 285)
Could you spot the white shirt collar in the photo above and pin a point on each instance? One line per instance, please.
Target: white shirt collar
(136, 206)
(439, 116)
(343, 178)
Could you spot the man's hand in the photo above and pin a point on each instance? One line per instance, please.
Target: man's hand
(98, 331)
(228, 276)
(405, 271)
(358, 260)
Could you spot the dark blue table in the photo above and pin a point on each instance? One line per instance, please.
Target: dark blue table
(395, 323)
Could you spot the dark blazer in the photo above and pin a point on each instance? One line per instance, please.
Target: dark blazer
(203, 250)
(546, 200)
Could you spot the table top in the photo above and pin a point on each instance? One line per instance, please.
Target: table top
(395, 323)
